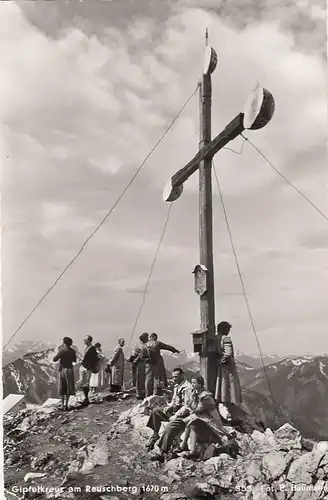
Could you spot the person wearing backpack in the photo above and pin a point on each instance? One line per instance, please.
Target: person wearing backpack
(89, 365)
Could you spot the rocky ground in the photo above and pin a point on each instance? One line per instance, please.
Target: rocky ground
(99, 453)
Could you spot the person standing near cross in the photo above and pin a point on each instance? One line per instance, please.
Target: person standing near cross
(228, 388)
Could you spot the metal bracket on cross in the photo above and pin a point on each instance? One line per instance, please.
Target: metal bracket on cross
(258, 111)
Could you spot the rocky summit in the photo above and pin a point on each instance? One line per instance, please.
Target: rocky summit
(302, 401)
(99, 453)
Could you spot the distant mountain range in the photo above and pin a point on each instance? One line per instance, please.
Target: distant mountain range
(256, 361)
(34, 374)
(299, 385)
(19, 350)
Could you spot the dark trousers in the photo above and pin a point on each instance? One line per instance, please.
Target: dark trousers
(140, 379)
(134, 376)
(149, 380)
(158, 416)
(115, 388)
(171, 431)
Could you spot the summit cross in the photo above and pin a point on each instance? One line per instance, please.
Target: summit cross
(257, 113)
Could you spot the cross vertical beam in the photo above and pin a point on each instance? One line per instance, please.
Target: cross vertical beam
(207, 304)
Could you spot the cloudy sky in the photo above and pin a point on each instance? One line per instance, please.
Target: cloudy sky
(86, 90)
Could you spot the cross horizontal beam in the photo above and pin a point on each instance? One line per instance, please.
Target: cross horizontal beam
(230, 132)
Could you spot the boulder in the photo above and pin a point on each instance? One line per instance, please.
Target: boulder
(246, 444)
(261, 492)
(177, 464)
(97, 454)
(262, 442)
(280, 488)
(140, 427)
(254, 470)
(302, 492)
(202, 490)
(288, 438)
(137, 416)
(275, 463)
(170, 478)
(74, 466)
(30, 418)
(319, 490)
(271, 438)
(173, 496)
(223, 480)
(214, 464)
(142, 408)
(321, 446)
(33, 475)
(303, 468)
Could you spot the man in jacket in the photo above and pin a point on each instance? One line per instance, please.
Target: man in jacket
(139, 358)
(156, 373)
(88, 366)
(173, 414)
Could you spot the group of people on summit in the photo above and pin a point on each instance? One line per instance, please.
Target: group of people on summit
(193, 410)
(148, 368)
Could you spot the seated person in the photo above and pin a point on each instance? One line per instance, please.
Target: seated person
(173, 413)
(203, 425)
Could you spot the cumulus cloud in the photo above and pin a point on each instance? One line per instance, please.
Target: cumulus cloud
(82, 105)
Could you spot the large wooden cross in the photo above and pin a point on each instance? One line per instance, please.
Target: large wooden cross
(257, 113)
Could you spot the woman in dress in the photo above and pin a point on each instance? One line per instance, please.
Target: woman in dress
(66, 356)
(97, 380)
(204, 425)
(228, 389)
